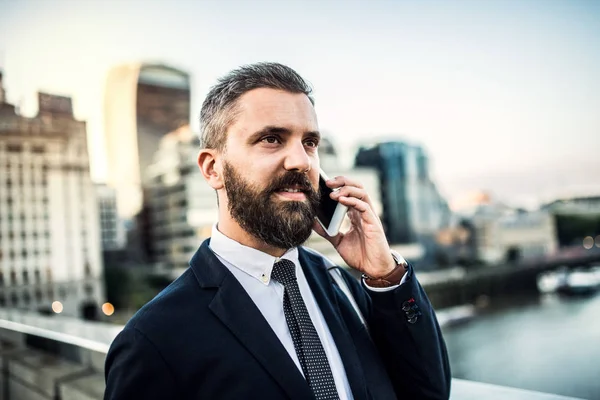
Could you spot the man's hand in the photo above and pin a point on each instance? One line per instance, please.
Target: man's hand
(364, 247)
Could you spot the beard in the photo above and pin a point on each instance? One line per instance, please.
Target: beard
(281, 224)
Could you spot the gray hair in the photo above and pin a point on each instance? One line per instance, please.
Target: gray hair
(219, 107)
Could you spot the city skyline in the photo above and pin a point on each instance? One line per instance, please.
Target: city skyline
(501, 94)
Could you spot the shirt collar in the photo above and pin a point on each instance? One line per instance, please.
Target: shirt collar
(249, 260)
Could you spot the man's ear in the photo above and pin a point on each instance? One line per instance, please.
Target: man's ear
(210, 166)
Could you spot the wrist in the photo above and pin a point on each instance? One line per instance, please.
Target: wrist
(393, 277)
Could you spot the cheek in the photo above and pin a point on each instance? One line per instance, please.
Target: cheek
(314, 178)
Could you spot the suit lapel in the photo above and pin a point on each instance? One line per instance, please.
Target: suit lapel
(237, 311)
(327, 298)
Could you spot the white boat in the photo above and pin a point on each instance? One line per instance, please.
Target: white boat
(580, 280)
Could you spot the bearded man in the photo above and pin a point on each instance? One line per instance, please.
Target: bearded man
(258, 316)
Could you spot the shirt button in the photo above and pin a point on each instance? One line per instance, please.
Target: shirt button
(264, 278)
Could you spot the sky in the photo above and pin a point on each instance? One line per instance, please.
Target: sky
(504, 95)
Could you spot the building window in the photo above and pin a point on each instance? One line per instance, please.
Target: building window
(88, 270)
(37, 276)
(14, 148)
(13, 277)
(26, 277)
(26, 298)
(38, 149)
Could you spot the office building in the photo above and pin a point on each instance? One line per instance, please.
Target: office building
(413, 209)
(143, 102)
(112, 228)
(180, 207)
(505, 235)
(49, 232)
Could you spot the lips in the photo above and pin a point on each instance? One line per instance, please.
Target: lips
(293, 189)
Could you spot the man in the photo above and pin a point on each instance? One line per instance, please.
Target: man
(257, 316)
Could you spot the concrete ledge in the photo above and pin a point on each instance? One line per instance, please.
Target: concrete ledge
(469, 390)
(20, 391)
(90, 387)
(42, 371)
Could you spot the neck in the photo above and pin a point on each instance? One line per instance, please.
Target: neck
(230, 228)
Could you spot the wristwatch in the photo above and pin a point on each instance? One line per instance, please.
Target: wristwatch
(391, 279)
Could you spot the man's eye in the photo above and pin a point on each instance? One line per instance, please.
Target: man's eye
(270, 139)
(312, 143)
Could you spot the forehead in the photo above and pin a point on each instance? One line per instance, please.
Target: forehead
(270, 107)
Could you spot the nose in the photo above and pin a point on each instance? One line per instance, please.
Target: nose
(297, 159)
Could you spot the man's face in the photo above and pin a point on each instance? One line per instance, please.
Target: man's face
(271, 167)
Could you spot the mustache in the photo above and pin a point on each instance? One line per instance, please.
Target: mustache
(292, 179)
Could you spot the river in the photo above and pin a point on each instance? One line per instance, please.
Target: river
(546, 343)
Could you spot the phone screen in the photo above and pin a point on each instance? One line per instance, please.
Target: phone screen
(327, 205)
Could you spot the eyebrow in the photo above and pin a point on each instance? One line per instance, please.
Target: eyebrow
(279, 130)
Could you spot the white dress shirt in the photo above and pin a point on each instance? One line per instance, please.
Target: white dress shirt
(252, 268)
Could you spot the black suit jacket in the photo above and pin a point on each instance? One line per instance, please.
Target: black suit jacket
(204, 338)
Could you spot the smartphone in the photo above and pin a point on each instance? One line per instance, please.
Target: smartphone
(330, 213)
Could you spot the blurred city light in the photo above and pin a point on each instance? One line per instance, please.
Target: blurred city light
(108, 309)
(57, 307)
(598, 241)
(588, 242)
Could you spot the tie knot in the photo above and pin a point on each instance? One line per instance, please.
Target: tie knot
(284, 272)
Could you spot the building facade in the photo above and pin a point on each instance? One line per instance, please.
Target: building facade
(112, 229)
(143, 102)
(506, 235)
(413, 209)
(49, 233)
(180, 207)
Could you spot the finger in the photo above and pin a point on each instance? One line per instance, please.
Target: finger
(351, 191)
(365, 210)
(340, 181)
(361, 194)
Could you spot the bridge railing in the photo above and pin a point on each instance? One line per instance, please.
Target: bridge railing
(60, 358)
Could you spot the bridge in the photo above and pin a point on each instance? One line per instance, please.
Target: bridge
(61, 358)
(458, 286)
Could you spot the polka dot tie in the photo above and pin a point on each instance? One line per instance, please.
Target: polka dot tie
(306, 340)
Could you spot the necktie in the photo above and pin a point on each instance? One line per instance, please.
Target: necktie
(304, 335)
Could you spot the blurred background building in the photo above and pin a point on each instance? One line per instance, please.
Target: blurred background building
(142, 103)
(180, 207)
(577, 220)
(49, 230)
(112, 228)
(490, 232)
(413, 209)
